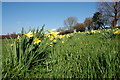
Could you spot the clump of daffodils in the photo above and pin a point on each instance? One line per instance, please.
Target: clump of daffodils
(95, 31)
(53, 35)
(30, 34)
(117, 32)
(61, 36)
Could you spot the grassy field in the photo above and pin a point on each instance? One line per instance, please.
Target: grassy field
(79, 56)
(0, 58)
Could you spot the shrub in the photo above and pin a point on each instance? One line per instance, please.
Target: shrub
(79, 27)
(66, 32)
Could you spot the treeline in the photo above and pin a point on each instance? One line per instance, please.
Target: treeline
(108, 14)
(9, 36)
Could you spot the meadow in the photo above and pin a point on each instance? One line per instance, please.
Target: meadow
(91, 54)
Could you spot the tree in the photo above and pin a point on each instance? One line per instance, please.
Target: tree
(110, 10)
(70, 22)
(88, 23)
(60, 29)
(79, 27)
(98, 21)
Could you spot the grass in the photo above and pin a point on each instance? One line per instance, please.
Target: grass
(80, 56)
(0, 59)
(85, 57)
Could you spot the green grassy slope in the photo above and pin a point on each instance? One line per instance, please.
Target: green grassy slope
(81, 56)
(85, 56)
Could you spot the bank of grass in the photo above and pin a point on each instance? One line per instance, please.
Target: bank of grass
(80, 56)
(85, 57)
(0, 58)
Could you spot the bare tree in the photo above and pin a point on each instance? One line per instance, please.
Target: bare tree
(70, 22)
(110, 10)
(88, 23)
(60, 29)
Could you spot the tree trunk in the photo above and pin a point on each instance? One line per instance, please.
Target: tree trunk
(114, 22)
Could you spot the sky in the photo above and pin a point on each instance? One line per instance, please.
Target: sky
(0, 17)
(16, 15)
(59, 0)
(50, 0)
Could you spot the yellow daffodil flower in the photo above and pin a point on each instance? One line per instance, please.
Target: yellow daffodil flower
(18, 38)
(117, 32)
(67, 35)
(87, 32)
(60, 36)
(94, 31)
(63, 42)
(54, 40)
(11, 44)
(29, 34)
(47, 43)
(50, 44)
(51, 39)
(46, 35)
(36, 41)
(51, 31)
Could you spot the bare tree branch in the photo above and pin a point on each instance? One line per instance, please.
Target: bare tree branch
(70, 22)
(111, 10)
